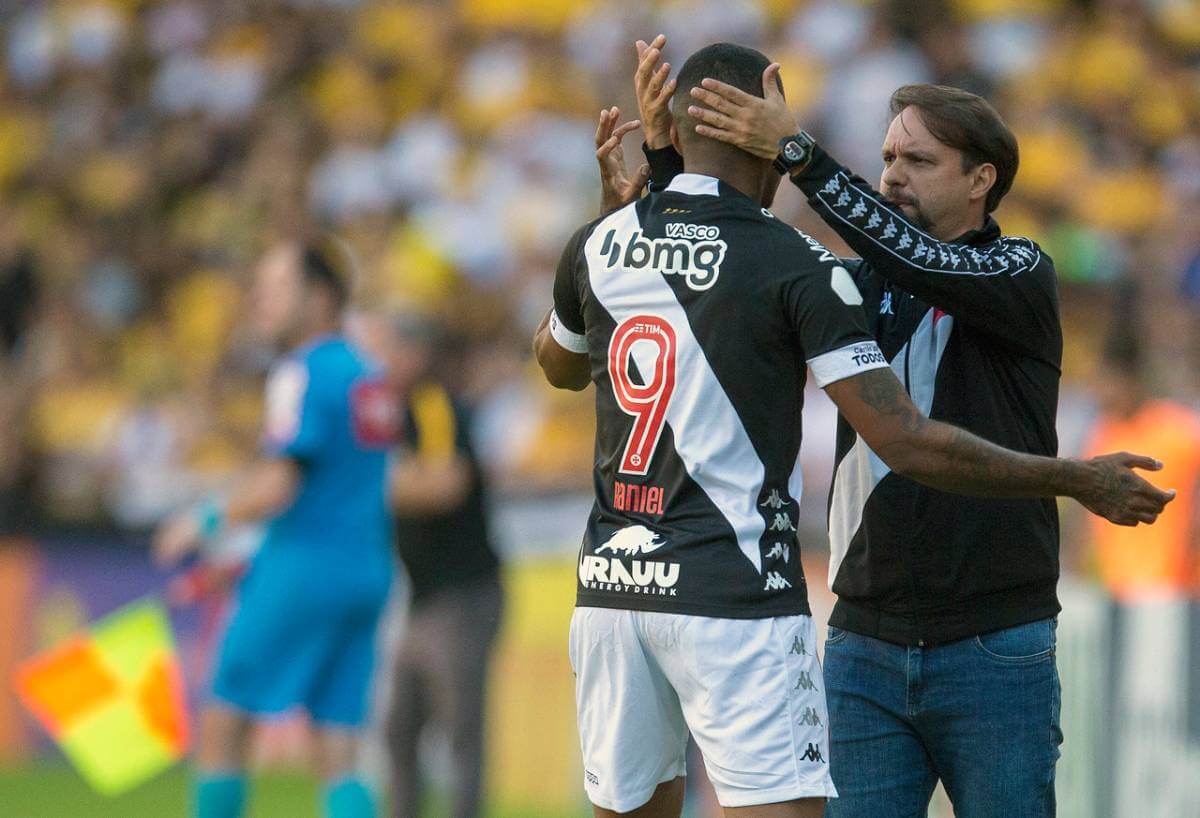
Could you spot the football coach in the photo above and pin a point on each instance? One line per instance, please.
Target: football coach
(940, 658)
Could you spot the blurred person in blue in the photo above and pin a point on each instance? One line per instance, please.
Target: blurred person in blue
(302, 632)
(438, 491)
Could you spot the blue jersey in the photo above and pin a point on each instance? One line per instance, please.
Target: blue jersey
(303, 631)
(328, 410)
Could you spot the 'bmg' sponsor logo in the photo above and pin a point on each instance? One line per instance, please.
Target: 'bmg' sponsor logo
(698, 261)
(647, 577)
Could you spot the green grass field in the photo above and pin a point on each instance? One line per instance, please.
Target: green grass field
(56, 791)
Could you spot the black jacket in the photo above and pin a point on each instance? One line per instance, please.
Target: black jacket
(971, 327)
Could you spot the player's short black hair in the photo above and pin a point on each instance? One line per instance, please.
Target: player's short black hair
(730, 63)
(323, 264)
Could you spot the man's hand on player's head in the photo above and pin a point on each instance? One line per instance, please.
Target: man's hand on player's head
(1119, 495)
(751, 123)
(654, 92)
(617, 187)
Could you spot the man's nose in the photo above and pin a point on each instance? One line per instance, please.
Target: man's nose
(892, 179)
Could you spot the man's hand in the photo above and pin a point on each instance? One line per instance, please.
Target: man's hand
(617, 189)
(731, 115)
(654, 92)
(176, 538)
(1121, 496)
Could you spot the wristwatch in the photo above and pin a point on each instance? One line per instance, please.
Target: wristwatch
(795, 151)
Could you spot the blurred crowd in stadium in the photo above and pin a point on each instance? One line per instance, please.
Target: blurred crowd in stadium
(149, 150)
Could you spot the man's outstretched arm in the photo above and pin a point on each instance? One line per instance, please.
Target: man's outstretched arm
(950, 459)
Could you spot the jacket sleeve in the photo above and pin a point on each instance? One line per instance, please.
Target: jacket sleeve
(665, 165)
(1005, 288)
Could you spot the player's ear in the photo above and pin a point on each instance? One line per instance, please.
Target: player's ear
(675, 139)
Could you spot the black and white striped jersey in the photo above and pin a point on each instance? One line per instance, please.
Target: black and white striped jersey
(701, 314)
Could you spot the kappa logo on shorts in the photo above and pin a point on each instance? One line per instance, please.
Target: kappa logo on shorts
(594, 779)
(804, 681)
(810, 717)
(813, 753)
(647, 577)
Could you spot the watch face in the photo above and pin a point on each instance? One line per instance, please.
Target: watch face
(793, 152)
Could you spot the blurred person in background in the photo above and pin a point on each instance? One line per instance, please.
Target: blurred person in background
(954, 597)
(1161, 562)
(438, 492)
(302, 634)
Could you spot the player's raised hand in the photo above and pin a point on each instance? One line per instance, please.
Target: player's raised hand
(654, 92)
(1120, 495)
(751, 123)
(617, 187)
(176, 538)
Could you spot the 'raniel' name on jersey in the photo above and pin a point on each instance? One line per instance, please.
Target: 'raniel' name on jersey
(701, 314)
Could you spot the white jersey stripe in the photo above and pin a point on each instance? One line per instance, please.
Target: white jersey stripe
(709, 436)
(861, 470)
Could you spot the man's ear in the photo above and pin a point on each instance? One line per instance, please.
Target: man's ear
(675, 139)
(984, 176)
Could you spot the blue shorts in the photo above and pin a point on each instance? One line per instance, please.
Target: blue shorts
(301, 638)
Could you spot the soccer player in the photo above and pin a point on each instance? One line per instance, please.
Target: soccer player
(303, 631)
(940, 657)
(697, 314)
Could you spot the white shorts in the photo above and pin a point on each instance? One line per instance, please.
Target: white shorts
(750, 691)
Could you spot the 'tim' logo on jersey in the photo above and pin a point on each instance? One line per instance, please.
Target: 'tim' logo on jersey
(690, 250)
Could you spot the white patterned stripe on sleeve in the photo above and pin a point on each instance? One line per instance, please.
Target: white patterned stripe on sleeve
(846, 362)
(570, 341)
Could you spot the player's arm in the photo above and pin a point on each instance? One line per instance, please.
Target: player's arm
(263, 491)
(560, 342)
(559, 355)
(1006, 289)
(293, 434)
(954, 460)
(654, 90)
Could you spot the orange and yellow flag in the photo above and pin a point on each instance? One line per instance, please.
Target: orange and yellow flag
(112, 697)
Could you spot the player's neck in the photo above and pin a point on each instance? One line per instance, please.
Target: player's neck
(743, 173)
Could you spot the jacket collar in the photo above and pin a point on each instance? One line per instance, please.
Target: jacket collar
(982, 235)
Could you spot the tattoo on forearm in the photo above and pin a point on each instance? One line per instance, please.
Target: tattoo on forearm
(880, 390)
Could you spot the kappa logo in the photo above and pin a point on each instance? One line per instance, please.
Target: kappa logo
(810, 717)
(779, 551)
(805, 682)
(774, 501)
(776, 582)
(813, 753)
(782, 522)
(594, 779)
(699, 262)
(632, 540)
(797, 647)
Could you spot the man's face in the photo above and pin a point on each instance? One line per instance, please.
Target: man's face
(278, 296)
(924, 177)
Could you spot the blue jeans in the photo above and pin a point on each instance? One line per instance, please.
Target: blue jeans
(981, 714)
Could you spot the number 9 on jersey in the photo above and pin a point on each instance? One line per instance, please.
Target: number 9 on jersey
(648, 343)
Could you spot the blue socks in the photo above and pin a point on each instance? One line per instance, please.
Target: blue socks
(219, 795)
(348, 798)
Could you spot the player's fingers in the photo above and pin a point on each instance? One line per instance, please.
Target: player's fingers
(607, 148)
(667, 90)
(718, 134)
(641, 46)
(710, 117)
(631, 125)
(603, 128)
(658, 80)
(735, 95)
(641, 177)
(645, 68)
(771, 81)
